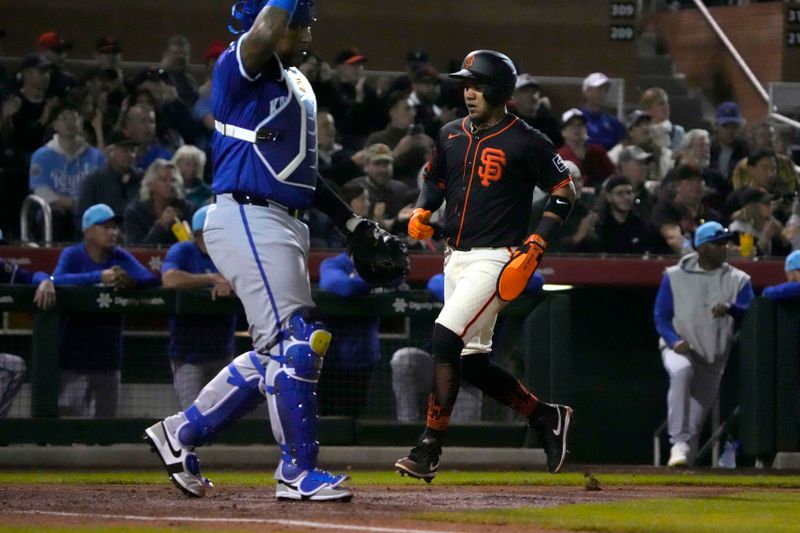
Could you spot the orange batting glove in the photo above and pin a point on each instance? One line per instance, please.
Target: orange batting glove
(519, 269)
(418, 227)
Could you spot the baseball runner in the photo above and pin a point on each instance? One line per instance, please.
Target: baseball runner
(486, 166)
(265, 160)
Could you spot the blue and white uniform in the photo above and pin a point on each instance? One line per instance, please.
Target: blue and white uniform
(265, 173)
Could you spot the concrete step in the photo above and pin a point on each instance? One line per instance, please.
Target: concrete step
(655, 65)
(675, 85)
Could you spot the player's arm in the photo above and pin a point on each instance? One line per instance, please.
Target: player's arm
(258, 44)
(180, 279)
(431, 196)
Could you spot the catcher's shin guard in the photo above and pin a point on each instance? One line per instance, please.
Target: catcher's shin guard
(291, 387)
(291, 384)
(234, 392)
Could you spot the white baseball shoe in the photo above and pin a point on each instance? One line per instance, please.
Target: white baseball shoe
(679, 455)
(316, 485)
(183, 466)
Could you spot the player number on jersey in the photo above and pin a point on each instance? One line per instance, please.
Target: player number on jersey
(493, 160)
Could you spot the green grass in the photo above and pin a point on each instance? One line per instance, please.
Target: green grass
(743, 512)
(453, 478)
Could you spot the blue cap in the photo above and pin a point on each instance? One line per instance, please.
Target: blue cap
(727, 113)
(199, 218)
(98, 214)
(793, 261)
(711, 232)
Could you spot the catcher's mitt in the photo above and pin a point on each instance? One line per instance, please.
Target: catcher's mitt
(380, 258)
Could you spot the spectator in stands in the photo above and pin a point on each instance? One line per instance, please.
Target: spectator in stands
(199, 345)
(12, 367)
(665, 134)
(388, 195)
(175, 60)
(53, 48)
(756, 218)
(90, 348)
(792, 229)
(139, 124)
(577, 234)
(108, 61)
(591, 159)
(619, 229)
(174, 115)
(634, 164)
(695, 150)
(603, 129)
(728, 147)
(676, 219)
(30, 111)
(790, 290)
(201, 112)
(322, 231)
(762, 168)
(426, 90)
(533, 108)
(697, 304)
(59, 167)
(190, 162)
(762, 135)
(638, 134)
(351, 358)
(336, 163)
(161, 205)
(356, 104)
(410, 145)
(116, 184)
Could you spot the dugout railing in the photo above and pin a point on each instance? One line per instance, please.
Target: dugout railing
(407, 315)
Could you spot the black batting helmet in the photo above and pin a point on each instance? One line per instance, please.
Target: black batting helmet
(493, 68)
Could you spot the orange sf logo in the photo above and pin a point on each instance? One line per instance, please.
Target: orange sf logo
(492, 162)
(468, 61)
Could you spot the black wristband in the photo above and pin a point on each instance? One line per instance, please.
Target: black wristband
(548, 227)
(559, 206)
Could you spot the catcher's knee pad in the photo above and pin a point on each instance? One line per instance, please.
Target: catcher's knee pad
(291, 387)
(234, 392)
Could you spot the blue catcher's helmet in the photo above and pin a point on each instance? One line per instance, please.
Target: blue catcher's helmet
(244, 13)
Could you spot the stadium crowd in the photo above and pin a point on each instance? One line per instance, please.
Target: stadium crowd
(139, 143)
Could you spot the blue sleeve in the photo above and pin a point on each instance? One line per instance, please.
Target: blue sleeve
(136, 270)
(436, 286)
(664, 312)
(337, 275)
(782, 292)
(743, 300)
(535, 284)
(175, 259)
(39, 277)
(69, 272)
(40, 173)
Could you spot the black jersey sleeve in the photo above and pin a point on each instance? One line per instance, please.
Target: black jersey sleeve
(552, 172)
(431, 194)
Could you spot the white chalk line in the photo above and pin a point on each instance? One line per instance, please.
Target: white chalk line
(276, 521)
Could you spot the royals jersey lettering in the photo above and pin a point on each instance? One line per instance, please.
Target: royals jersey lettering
(280, 103)
(488, 179)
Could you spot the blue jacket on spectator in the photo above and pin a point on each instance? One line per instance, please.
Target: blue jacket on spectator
(783, 292)
(92, 342)
(51, 167)
(197, 338)
(355, 340)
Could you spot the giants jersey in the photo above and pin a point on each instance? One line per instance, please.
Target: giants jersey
(488, 180)
(279, 103)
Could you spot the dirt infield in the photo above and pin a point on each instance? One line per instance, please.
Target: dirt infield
(255, 509)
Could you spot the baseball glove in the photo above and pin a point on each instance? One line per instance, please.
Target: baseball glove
(380, 258)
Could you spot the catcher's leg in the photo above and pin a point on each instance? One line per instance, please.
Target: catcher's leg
(234, 392)
(291, 382)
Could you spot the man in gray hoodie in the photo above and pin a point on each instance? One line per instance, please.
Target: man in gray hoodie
(696, 308)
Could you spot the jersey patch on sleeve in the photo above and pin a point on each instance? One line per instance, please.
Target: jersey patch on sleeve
(559, 163)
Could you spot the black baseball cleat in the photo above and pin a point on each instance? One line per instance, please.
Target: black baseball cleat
(422, 462)
(552, 425)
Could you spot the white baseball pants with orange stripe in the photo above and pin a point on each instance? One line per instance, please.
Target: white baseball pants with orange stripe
(471, 304)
